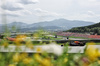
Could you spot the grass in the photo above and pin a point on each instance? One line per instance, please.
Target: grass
(80, 37)
(97, 43)
(51, 38)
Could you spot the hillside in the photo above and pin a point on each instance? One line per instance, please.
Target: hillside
(92, 29)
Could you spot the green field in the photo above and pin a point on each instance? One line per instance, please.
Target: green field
(80, 37)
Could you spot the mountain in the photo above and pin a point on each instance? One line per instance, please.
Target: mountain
(18, 24)
(32, 29)
(92, 29)
(63, 23)
(58, 24)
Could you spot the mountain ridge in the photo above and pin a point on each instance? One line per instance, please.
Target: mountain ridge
(62, 24)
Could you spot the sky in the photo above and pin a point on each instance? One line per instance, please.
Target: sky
(33, 11)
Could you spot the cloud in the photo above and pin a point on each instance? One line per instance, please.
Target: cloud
(91, 13)
(75, 9)
(16, 13)
(28, 1)
(88, 3)
(11, 5)
(44, 13)
(26, 12)
(14, 5)
(0, 10)
(86, 16)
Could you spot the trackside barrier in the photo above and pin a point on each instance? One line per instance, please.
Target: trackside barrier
(71, 49)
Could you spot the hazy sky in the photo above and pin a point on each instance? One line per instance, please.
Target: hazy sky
(32, 11)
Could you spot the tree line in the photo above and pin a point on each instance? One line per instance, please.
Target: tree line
(92, 29)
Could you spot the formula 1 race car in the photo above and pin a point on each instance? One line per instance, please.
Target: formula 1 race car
(77, 43)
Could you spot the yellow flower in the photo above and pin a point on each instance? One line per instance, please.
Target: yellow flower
(98, 52)
(65, 60)
(29, 44)
(5, 44)
(38, 49)
(98, 61)
(38, 58)
(27, 60)
(23, 55)
(16, 57)
(17, 41)
(92, 53)
(90, 43)
(46, 62)
(98, 56)
(11, 65)
(20, 38)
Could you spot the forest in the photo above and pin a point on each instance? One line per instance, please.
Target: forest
(92, 29)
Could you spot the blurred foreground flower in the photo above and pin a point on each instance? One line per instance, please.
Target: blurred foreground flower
(92, 52)
(29, 44)
(50, 54)
(5, 43)
(98, 61)
(38, 58)
(46, 62)
(23, 56)
(42, 61)
(16, 57)
(65, 60)
(11, 65)
(19, 39)
(90, 43)
(39, 49)
(27, 60)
